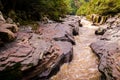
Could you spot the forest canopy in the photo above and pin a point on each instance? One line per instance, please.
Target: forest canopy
(101, 7)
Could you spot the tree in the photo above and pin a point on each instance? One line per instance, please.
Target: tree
(102, 7)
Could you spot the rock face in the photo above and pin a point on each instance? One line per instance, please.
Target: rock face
(84, 65)
(37, 56)
(108, 51)
(97, 19)
(7, 31)
(113, 21)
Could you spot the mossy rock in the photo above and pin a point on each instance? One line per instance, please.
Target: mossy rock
(97, 19)
(100, 31)
(103, 19)
(88, 17)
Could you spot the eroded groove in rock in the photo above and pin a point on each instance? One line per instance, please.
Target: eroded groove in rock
(108, 50)
(38, 55)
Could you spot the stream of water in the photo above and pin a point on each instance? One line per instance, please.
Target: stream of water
(84, 65)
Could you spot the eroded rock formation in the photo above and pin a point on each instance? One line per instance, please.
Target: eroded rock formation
(108, 50)
(97, 19)
(7, 30)
(37, 55)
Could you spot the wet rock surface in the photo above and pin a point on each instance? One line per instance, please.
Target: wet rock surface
(100, 31)
(108, 50)
(37, 56)
(84, 65)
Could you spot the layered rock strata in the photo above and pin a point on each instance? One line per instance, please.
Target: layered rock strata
(38, 56)
(108, 50)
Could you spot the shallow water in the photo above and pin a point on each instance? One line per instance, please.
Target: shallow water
(84, 65)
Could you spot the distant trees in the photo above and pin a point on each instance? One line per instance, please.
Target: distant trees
(102, 7)
(75, 4)
(53, 9)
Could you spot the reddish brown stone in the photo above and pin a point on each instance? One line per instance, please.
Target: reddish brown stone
(108, 51)
(39, 54)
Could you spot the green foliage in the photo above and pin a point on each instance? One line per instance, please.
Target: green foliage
(35, 9)
(83, 10)
(73, 7)
(75, 4)
(101, 7)
(57, 8)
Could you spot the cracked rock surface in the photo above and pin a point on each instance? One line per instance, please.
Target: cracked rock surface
(39, 55)
(108, 50)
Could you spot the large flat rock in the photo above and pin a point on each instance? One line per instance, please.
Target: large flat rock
(108, 51)
(37, 55)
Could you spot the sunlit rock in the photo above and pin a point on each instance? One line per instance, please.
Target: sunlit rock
(100, 31)
(108, 51)
(2, 20)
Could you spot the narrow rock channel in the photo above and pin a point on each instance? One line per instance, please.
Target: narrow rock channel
(40, 55)
(84, 65)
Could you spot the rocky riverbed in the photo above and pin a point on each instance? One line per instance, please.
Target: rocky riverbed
(84, 65)
(69, 50)
(107, 49)
(38, 55)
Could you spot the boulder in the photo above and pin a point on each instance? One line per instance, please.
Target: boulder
(113, 21)
(100, 31)
(37, 56)
(108, 51)
(7, 32)
(6, 35)
(75, 28)
(79, 22)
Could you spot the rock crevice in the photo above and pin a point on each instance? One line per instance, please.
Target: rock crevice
(108, 50)
(36, 55)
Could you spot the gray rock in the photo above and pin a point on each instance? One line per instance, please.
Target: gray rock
(11, 27)
(79, 22)
(108, 51)
(100, 31)
(7, 31)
